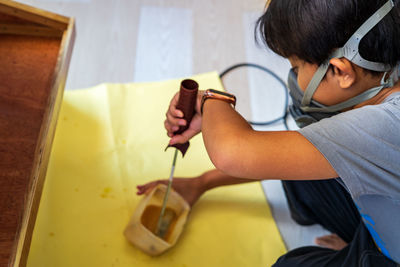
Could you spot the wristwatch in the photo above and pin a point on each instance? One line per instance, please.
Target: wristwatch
(214, 94)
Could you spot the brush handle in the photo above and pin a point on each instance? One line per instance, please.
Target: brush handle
(186, 104)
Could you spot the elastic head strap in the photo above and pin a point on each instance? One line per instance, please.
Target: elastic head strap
(349, 51)
(317, 78)
(385, 82)
(348, 103)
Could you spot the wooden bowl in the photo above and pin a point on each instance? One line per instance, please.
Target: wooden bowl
(141, 228)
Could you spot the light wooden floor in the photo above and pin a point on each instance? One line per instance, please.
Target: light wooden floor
(149, 40)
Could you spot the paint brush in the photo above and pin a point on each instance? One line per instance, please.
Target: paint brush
(186, 103)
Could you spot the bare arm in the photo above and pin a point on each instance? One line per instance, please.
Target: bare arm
(216, 178)
(191, 189)
(239, 151)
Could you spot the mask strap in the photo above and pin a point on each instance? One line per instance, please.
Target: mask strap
(396, 73)
(355, 100)
(350, 51)
(317, 78)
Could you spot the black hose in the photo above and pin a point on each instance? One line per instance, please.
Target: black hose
(284, 117)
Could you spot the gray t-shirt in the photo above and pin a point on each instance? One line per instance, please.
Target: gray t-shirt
(363, 146)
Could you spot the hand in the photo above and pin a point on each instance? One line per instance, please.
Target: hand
(189, 188)
(175, 119)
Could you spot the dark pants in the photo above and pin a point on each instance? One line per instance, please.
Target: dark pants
(327, 203)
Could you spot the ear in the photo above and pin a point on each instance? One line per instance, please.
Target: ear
(343, 72)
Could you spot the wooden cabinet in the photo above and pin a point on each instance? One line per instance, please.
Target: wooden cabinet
(35, 51)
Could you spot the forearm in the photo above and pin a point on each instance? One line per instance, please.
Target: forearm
(216, 178)
(224, 133)
(236, 149)
(218, 116)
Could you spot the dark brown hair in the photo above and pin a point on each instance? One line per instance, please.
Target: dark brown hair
(312, 29)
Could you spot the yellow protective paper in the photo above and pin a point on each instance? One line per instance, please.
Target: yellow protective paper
(109, 139)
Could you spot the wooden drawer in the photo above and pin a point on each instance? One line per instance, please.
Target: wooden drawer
(35, 51)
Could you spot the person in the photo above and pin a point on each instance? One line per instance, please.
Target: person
(344, 56)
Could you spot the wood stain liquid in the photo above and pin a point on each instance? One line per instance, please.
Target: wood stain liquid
(150, 219)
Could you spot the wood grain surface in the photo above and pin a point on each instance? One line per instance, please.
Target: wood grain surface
(25, 79)
(33, 14)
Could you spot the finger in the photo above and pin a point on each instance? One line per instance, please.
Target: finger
(141, 189)
(173, 116)
(321, 240)
(182, 138)
(176, 112)
(172, 107)
(170, 128)
(331, 241)
(178, 139)
(146, 188)
(174, 120)
(171, 119)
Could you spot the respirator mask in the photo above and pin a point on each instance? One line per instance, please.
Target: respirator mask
(305, 111)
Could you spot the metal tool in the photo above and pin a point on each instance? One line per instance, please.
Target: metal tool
(186, 103)
(163, 223)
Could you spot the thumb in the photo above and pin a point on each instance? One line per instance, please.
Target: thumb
(184, 137)
(178, 139)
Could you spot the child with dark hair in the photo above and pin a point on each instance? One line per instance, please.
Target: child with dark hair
(346, 97)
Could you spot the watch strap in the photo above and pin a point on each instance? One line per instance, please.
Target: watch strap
(218, 95)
